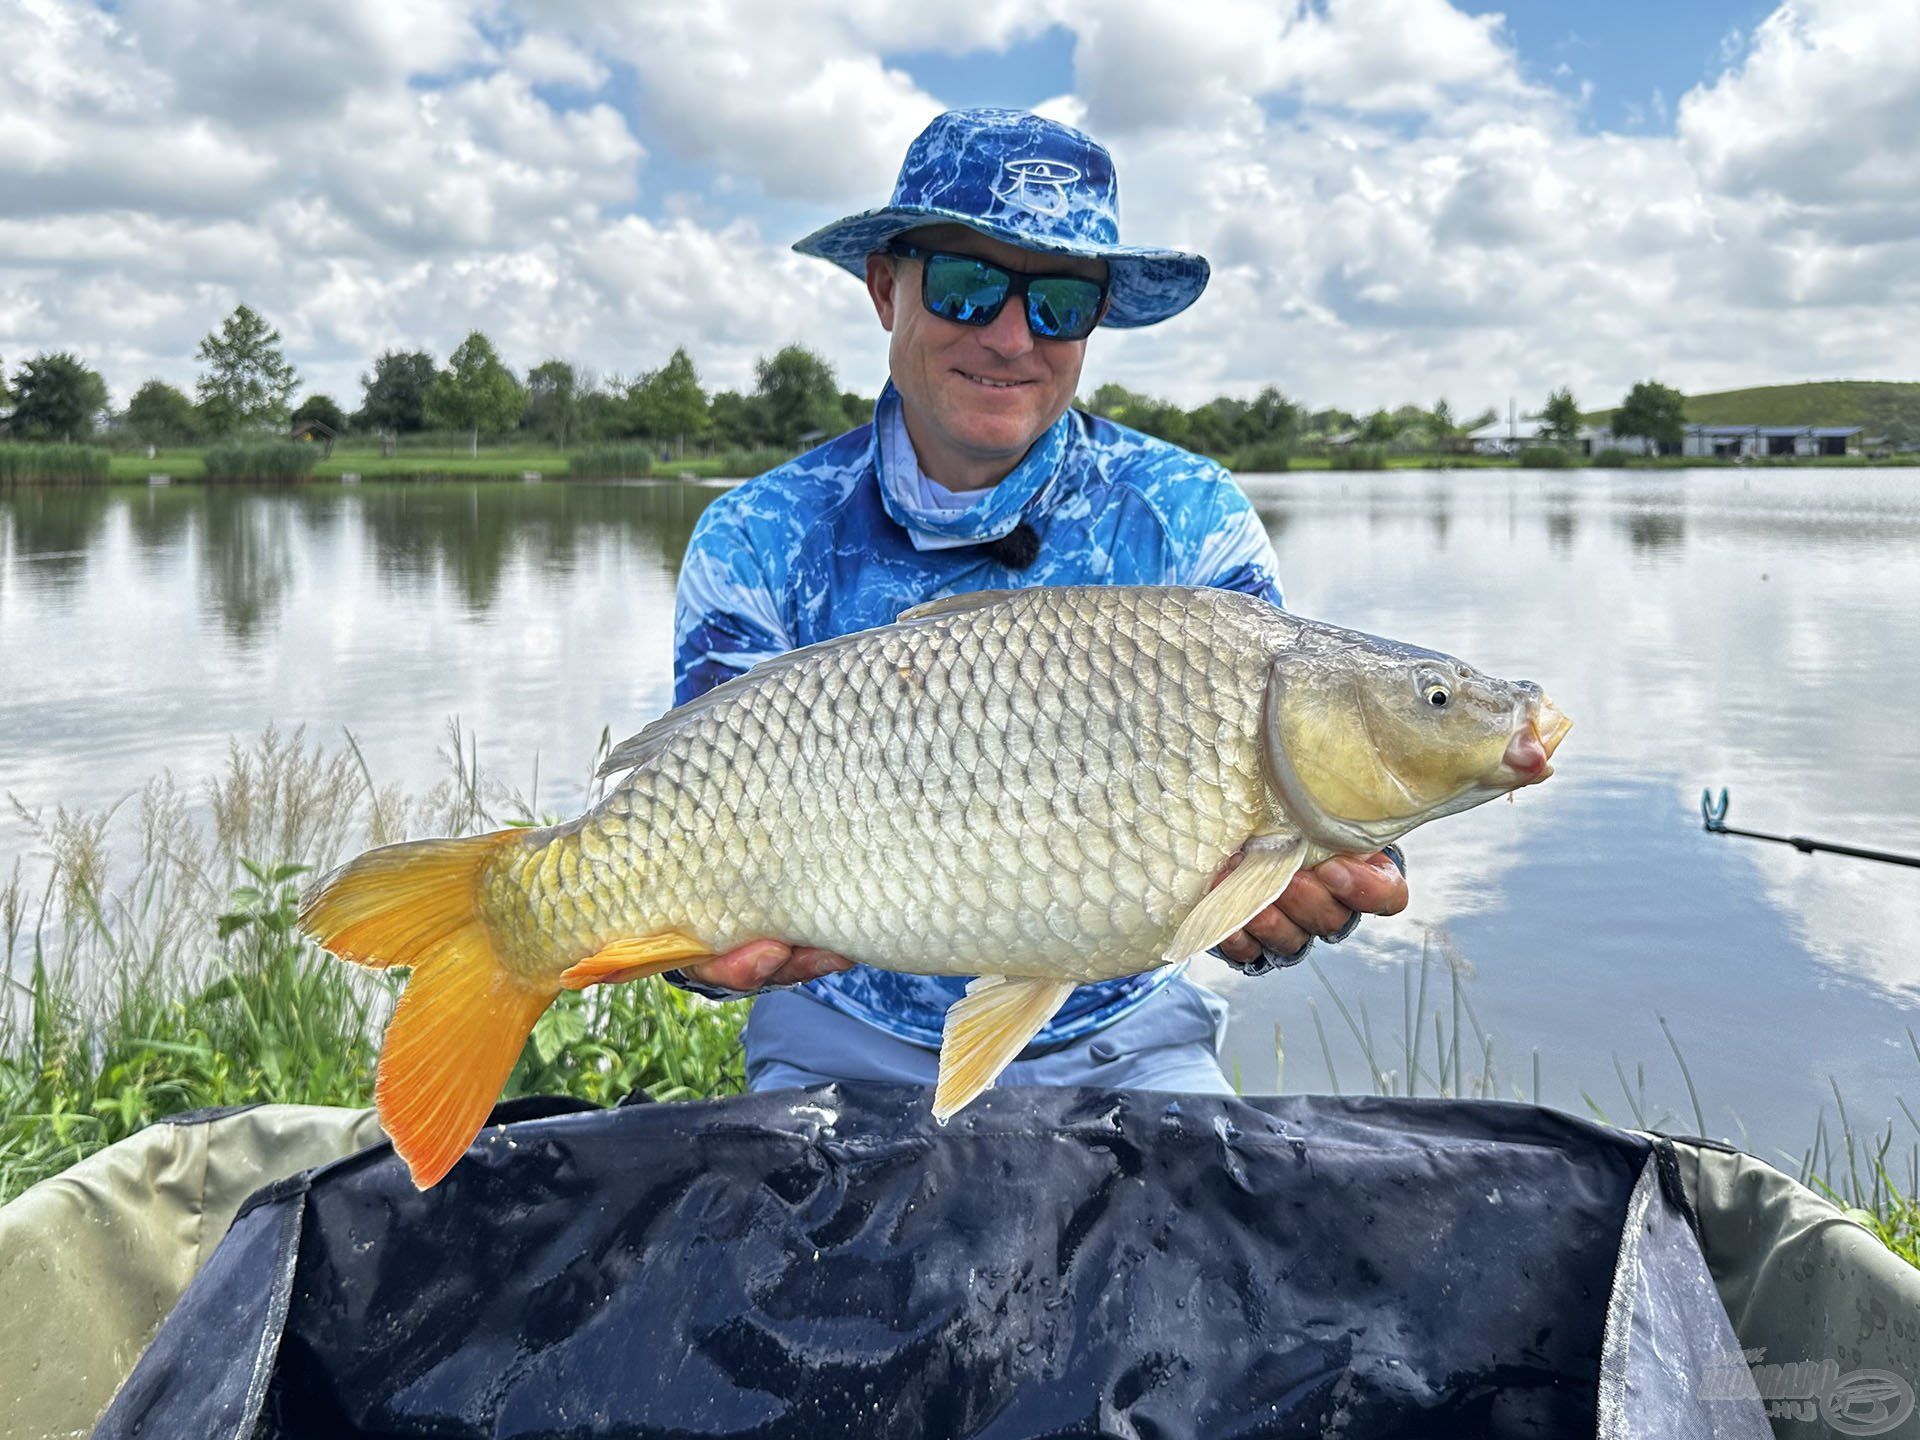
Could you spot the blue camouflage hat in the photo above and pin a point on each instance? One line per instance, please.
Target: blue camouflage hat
(1031, 182)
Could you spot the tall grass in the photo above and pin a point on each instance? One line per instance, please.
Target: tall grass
(611, 462)
(53, 464)
(1357, 457)
(152, 966)
(269, 460)
(745, 464)
(1441, 1049)
(1268, 457)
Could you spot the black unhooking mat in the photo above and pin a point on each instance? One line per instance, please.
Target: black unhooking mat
(831, 1262)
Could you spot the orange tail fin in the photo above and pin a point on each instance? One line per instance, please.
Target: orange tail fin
(464, 1016)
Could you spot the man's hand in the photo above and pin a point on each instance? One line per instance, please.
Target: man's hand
(1319, 903)
(760, 963)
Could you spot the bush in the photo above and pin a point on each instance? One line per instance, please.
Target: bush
(611, 462)
(52, 464)
(1613, 457)
(1266, 457)
(260, 460)
(1358, 457)
(1543, 457)
(184, 982)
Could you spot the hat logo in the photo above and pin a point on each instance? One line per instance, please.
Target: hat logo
(1037, 185)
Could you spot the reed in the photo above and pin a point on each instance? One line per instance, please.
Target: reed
(152, 966)
(53, 464)
(260, 460)
(611, 462)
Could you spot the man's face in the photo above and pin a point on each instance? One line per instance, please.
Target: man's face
(975, 394)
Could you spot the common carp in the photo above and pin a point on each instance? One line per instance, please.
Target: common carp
(1034, 787)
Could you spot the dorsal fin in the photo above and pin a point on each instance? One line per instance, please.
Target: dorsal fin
(955, 605)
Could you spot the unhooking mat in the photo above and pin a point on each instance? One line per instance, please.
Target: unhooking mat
(1053, 1262)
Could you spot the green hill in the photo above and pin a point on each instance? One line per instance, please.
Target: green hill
(1884, 407)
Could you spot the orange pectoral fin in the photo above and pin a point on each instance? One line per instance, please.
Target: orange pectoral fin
(634, 959)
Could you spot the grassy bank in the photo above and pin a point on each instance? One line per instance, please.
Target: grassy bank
(169, 976)
(155, 968)
(453, 463)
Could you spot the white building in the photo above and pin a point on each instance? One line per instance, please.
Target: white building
(1724, 442)
(1739, 442)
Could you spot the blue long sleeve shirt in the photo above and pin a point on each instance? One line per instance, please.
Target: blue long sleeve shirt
(850, 534)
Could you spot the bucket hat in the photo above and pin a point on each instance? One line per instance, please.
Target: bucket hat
(1031, 182)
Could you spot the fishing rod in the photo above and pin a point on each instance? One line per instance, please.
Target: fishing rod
(1715, 817)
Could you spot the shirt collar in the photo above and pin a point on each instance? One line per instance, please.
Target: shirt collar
(987, 519)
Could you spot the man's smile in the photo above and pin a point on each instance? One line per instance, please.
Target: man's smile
(990, 382)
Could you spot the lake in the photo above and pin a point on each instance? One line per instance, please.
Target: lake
(1753, 629)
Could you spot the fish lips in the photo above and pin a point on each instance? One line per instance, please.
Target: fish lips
(1541, 729)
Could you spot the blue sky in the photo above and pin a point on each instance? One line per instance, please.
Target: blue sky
(1630, 51)
(1639, 56)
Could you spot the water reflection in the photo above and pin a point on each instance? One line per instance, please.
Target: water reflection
(52, 530)
(1748, 629)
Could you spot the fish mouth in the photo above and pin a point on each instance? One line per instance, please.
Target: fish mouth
(1534, 741)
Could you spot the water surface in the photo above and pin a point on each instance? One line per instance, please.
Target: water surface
(1757, 630)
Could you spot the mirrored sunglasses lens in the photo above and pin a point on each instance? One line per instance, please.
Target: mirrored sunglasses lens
(964, 290)
(1062, 308)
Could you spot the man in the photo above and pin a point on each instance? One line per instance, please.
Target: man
(997, 257)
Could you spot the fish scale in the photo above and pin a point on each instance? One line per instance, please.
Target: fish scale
(1058, 746)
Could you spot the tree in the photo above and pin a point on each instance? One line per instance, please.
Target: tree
(735, 418)
(668, 403)
(1657, 412)
(56, 397)
(1274, 417)
(247, 382)
(553, 401)
(161, 415)
(797, 394)
(1561, 417)
(476, 392)
(321, 408)
(396, 392)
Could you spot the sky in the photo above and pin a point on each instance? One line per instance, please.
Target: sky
(1403, 200)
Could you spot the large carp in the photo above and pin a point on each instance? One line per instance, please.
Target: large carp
(1036, 787)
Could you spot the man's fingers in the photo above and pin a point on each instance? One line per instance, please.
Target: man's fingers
(745, 967)
(1240, 947)
(1373, 885)
(1276, 931)
(1310, 905)
(760, 963)
(808, 964)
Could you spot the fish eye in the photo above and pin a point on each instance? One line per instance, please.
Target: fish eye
(1437, 695)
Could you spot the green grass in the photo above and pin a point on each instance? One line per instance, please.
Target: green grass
(258, 460)
(449, 463)
(171, 978)
(1883, 407)
(1440, 1048)
(52, 464)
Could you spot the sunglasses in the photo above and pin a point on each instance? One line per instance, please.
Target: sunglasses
(969, 291)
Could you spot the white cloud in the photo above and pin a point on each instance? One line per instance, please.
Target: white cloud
(1393, 211)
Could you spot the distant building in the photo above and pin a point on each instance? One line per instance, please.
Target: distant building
(1723, 442)
(312, 431)
(1740, 442)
